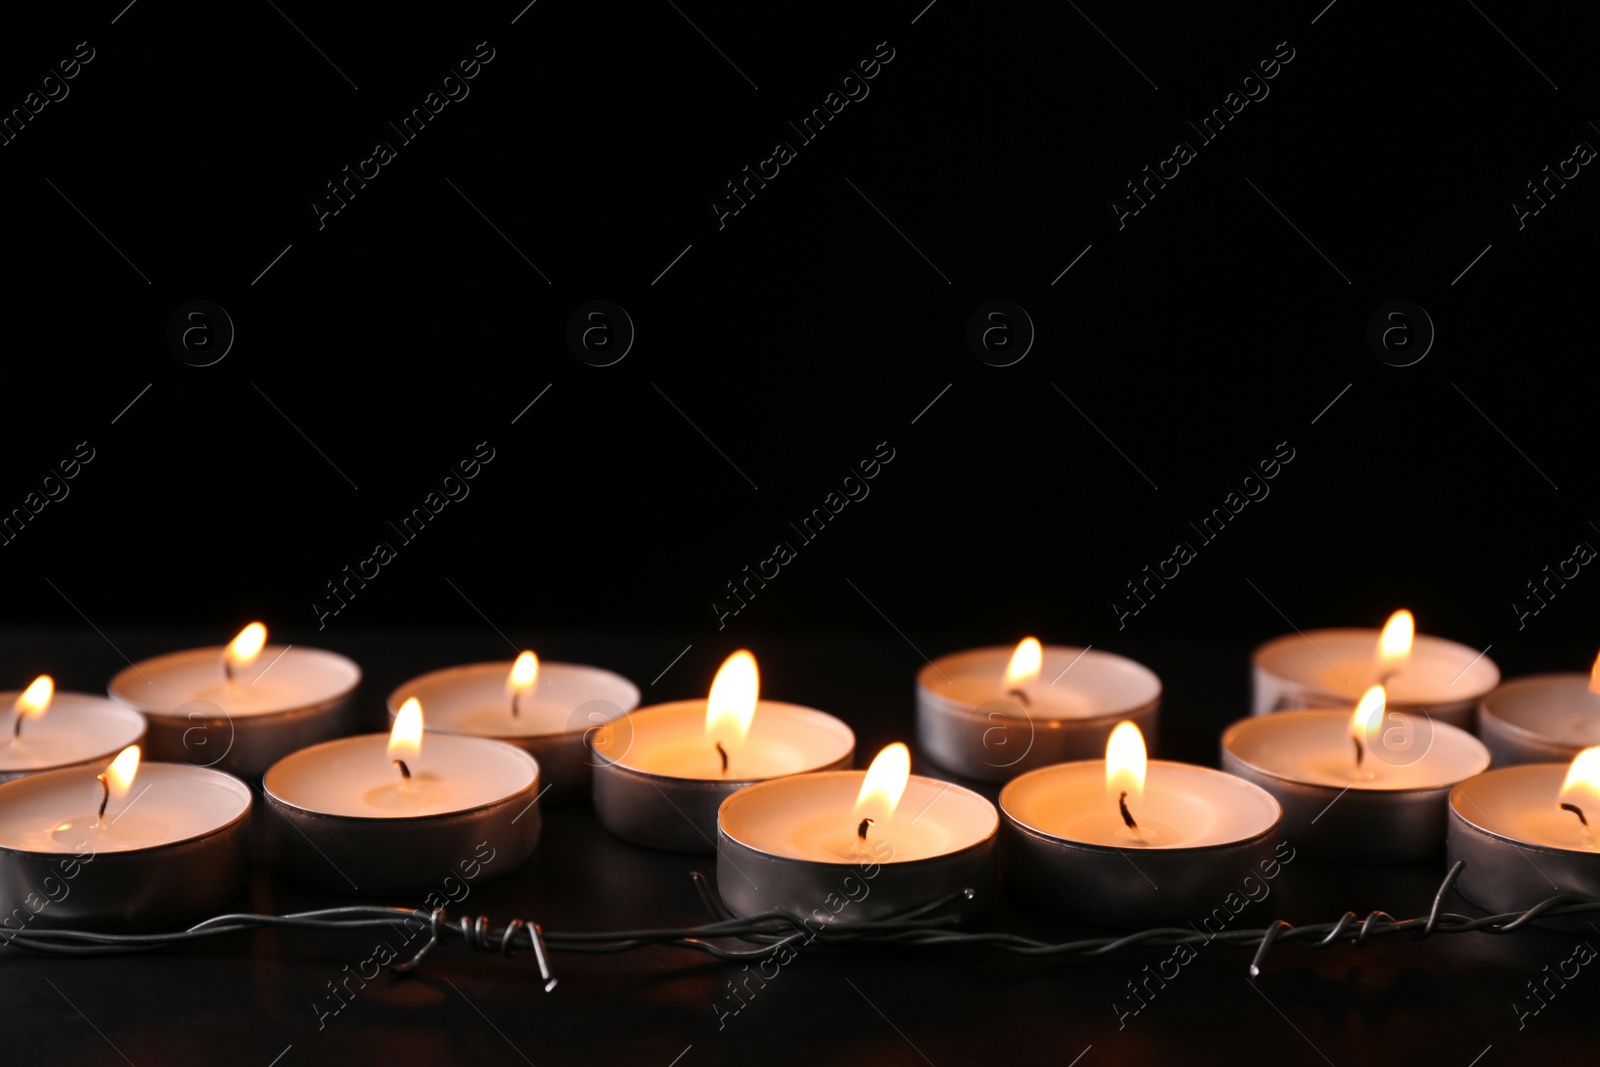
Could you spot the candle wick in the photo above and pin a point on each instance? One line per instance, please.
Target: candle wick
(16, 727)
(105, 796)
(1127, 816)
(405, 772)
(724, 754)
(514, 697)
(861, 831)
(1360, 751)
(1576, 811)
(1020, 697)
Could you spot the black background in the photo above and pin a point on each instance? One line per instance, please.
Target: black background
(779, 350)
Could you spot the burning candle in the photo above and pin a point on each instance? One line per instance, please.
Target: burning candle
(856, 844)
(1528, 832)
(1126, 840)
(397, 812)
(992, 713)
(548, 709)
(1332, 668)
(51, 730)
(122, 845)
(1368, 785)
(1542, 717)
(241, 707)
(661, 771)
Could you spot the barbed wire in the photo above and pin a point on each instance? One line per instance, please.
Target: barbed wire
(931, 925)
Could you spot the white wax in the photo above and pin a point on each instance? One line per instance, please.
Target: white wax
(1314, 747)
(1072, 683)
(1342, 663)
(1183, 806)
(1554, 707)
(277, 681)
(1521, 804)
(670, 740)
(813, 817)
(55, 811)
(472, 699)
(78, 727)
(353, 777)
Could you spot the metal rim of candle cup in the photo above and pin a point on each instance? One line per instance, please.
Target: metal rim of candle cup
(629, 801)
(1511, 743)
(1493, 882)
(98, 759)
(398, 853)
(154, 887)
(956, 734)
(1273, 691)
(255, 741)
(564, 756)
(1103, 884)
(802, 886)
(1377, 826)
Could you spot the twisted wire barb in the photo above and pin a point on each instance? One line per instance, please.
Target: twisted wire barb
(769, 933)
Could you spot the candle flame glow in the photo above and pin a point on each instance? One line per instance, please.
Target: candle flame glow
(1025, 663)
(1581, 789)
(884, 784)
(1394, 644)
(405, 739)
(524, 677)
(732, 702)
(1368, 716)
(35, 700)
(1125, 764)
(1594, 676)
(119, 776)
(243, 650)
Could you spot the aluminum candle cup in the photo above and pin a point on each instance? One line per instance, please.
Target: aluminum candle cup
(968, 724)
(1391, 810)
(1518, 846)
(172, 850)
(553, 722)
(1538, 719)
(658, 780)
(791, 844)
(285, 700)
(469, 811)
(1331, 669)
(1201, 834)
(78, 730)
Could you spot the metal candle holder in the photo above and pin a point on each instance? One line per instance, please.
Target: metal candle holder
(1541, 718)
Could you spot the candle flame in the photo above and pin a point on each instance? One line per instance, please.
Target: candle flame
(35, 700)
(524, 677)
(243, 650)
(119, 776)
(1368, 716)
(1025, 663)
(1581, 788)
(1594, 676)
(1394, 644)
(884, 784)
(732, 702)
(1125, 763)
(405, 739)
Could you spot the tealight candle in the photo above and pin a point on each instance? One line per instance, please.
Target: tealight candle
(992, 713)
(389, 813)
(242, 707)
(1126, 840)
(1541, 718)
(1332, 668)
(857, 845)
(548, 709)
(81, 849)
(661, 772)
(1368, 786)
(50, 730)
(1527, 833)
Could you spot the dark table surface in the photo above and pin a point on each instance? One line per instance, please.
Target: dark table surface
(263, 998)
